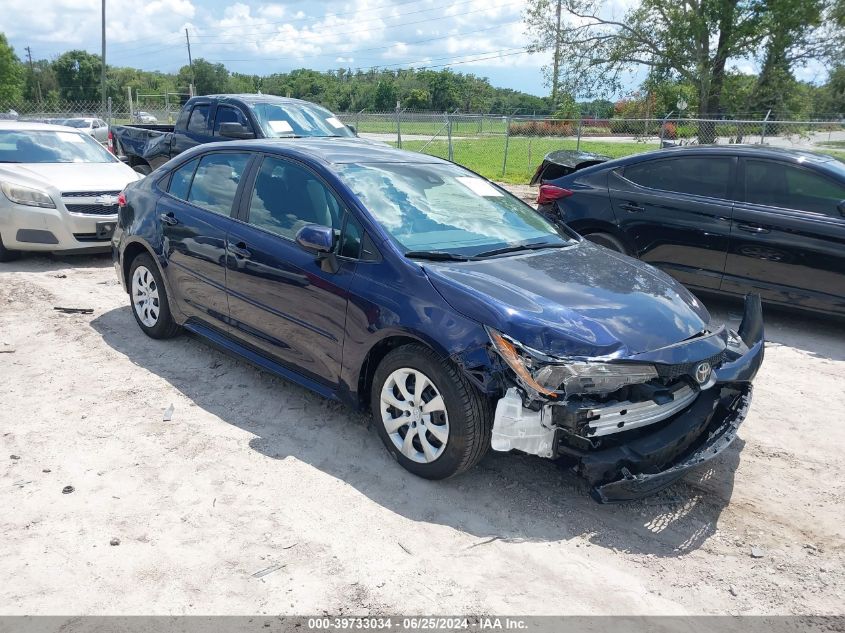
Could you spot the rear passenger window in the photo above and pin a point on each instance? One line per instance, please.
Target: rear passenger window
(216, 181)
(704, 176)
(180, 180)
(787, 187)
(199, 119)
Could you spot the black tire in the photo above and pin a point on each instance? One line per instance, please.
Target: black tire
(608, 241)
(164, 326)
(6, 255)
(143, 169)
(469, 412)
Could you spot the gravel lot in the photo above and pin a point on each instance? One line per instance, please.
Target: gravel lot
(259, 497)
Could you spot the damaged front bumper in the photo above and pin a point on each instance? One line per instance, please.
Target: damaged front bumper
(667, 439)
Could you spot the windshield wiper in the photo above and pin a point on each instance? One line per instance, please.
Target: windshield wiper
(438, 256)
(10, 161)
(520, 247)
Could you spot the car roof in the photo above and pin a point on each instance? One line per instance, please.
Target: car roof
(250, 98)
(757, 151)
(333, 150)
(33, 126)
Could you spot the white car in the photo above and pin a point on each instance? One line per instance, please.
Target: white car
(58, 189)
(97, 128)
(145, 117)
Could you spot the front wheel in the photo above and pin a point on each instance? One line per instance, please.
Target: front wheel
(149, 299)
(429, 416)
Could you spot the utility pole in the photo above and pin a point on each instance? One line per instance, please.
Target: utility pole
(190, 62)
(556, 63)
(103, 68)
(32, 74)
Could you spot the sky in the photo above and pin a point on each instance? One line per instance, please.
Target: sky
(484, 37)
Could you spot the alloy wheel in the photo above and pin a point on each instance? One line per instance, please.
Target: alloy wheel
(145, 299)
(414, 415)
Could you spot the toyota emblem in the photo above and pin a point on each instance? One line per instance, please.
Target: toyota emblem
(702, 373)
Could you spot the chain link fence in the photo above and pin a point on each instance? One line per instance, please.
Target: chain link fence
(509, 148)
(144, 109)
(501, 147)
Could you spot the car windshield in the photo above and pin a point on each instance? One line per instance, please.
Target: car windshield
(280, 120)
(77, 123)
(446, 209)
(47, 146)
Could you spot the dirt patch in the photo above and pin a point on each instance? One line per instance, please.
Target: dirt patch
(260, 497)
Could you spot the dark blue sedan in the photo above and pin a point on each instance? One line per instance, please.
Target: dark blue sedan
(462, 318)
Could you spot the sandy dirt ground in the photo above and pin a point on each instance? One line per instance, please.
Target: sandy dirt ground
(259, 497)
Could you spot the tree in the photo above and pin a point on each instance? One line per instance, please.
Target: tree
(208, 78)
(417, 99)
(691, 40)
(11, 72)
(78, 74)
(797, 31)
(385, 97)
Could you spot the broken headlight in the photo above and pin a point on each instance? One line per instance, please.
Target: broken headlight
(553, 377)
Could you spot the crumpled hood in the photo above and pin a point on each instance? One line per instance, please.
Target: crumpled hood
(70, 176)
(582, 300)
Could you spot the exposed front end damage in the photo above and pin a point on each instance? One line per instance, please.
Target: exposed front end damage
(631, 426)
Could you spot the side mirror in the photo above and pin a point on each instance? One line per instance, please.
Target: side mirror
(352, 129)
(235, 130)
(316, 237)
(841, 208)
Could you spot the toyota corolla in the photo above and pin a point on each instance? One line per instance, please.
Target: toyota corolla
(464, 320)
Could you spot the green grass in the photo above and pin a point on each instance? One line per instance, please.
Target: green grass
(428, 127)
(837, 155)
(839, 144)
(485, 155)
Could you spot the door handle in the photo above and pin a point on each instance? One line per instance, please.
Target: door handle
(169, 218)
(632, 207)
(752, 228)
(239, 250)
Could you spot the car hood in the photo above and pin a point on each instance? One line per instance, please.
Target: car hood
(59, 177)
(582, 300)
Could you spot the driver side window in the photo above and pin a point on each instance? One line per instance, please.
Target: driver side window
(228, 114)
(287, 196)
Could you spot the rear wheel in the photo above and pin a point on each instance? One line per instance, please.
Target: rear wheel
(429, 416)
(149, 299)
(6, 255)
(608, 241)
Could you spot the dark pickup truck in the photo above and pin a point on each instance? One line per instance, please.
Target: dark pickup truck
(222, 118)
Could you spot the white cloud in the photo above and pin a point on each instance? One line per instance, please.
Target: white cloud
(273, 37)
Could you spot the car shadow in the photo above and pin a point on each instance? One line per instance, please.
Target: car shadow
(507, 497)
(47, 262)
